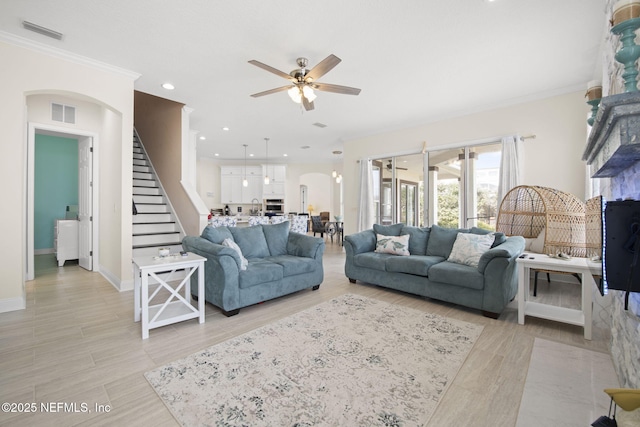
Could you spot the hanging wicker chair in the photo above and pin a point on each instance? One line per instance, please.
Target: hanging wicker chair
(527, 210)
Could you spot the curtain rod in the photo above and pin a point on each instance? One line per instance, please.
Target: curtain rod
(528, 137)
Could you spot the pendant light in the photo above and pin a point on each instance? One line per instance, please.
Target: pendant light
(245, 183)
(266, 172)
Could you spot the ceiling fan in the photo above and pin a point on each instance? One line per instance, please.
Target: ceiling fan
(390, 166)
(304, 81)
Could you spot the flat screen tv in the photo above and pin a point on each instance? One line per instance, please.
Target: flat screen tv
(621, 249)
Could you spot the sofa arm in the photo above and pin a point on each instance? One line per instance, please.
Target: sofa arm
(305, 246)
(510, 249)
(207, 249)
(363, 241)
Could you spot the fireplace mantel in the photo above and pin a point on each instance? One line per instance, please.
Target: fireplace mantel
(614, 142)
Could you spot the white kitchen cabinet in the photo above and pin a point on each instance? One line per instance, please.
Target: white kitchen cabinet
(232, 190)
(65, 240)
(277, 177)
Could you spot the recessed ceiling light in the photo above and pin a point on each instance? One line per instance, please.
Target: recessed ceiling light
(203, 138)
(251, 155)
(217, 154)
(168, 86)
(285, 155)
(225, 128)
(305, 147)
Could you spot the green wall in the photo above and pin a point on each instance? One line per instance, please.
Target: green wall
(55, 184)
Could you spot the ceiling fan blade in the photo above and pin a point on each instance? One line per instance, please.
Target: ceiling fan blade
(336, 88)
(270, 91)
(272, 70)
(307, 105)
(323, 67)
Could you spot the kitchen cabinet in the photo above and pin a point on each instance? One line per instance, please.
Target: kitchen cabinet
(277, 177)
(232, 190)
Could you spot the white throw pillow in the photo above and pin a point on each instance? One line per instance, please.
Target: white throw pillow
(396, 245)
(233, 245)
(468, 248)
(537, 245)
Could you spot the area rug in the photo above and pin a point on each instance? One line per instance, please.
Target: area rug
(351, 361)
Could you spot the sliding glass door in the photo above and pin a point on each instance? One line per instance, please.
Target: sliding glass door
(454, 188)
(398, 185)
(463, 186)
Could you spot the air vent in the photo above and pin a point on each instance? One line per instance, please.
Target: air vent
(41, 30)
(63, 113)
(320, 125)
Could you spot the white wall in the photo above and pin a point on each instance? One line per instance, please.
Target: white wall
(27, 70)
(552, 159)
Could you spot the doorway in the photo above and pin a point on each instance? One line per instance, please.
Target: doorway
(87, 221)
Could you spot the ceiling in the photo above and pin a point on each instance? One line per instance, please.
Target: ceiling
(418, 63)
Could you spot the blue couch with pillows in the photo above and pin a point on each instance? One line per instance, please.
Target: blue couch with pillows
(248, 265)
(470, 267)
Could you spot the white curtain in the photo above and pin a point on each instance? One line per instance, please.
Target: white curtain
(365, 196)
(510, 165)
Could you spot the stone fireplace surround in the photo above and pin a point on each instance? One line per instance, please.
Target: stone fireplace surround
(613, 153)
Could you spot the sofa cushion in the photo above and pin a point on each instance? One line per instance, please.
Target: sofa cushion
(216, 234)
(394, 245)
(388, 230)
(372, 260)
(251, 241)
(441, 240)
(456, 274)
(233, 245)
(418, 265)
(293, 265)
(469, 247)
(277, 236)
(499, 238)
(418, 240)
(260, 271)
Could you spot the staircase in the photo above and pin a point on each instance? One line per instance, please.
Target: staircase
(154, 224)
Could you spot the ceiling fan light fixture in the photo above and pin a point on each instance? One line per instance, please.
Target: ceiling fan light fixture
(307, 91)
(295, 94)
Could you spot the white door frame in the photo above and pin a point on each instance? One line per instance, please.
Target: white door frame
(40, 128)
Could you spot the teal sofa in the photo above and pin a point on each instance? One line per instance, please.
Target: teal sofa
(279, 263)
(488, 287)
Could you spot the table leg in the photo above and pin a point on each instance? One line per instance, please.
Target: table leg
(136, 293)
(523, 290)
(588, 283)
(201, 291)
(145, 305)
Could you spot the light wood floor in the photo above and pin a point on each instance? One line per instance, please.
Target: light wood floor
(77, 343)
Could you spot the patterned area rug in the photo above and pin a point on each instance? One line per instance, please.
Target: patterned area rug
(351, 361)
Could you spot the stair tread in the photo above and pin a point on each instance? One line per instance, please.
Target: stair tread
(153, 223)
(155, 233)
(153, 245)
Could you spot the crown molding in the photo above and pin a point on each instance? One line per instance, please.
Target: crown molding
(65, 55)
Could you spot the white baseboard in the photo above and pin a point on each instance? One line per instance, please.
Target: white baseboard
(120, 285)
(12, 304)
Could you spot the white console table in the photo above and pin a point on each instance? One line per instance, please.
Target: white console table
(580, 266)
(176, 308)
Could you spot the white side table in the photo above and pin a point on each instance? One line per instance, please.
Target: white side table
(176, 308)
(581, 266)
